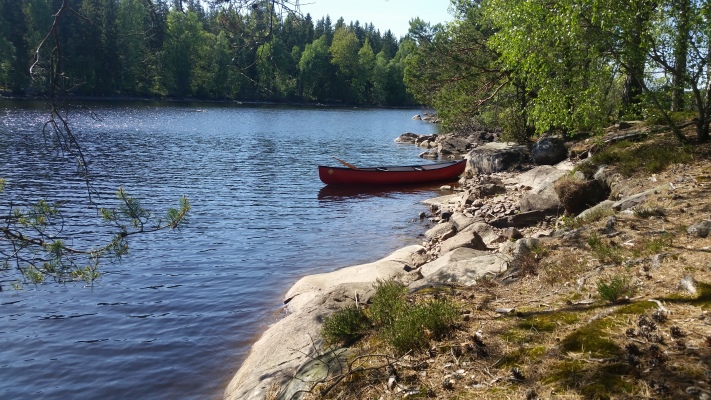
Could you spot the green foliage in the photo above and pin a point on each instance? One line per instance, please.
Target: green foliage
(592, 381)
(388, 302)
(513, 123)
(453, 70)
(345, 326)
(548, 48)
(418, 324)
(589, 217)
(614, 289)
(403, 325)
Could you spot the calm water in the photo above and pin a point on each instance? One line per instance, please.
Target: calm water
(176, 317)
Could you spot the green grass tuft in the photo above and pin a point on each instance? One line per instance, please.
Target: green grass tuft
(614, 289)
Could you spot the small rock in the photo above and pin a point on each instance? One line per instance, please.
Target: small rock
(517, 374)
(688, 283)
(693, 390)
(531, 394)
(701, 229)
(391, 383)
(657, 260)
(448, 383)
(513, 233)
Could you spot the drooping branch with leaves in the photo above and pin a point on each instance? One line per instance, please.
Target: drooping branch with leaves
(34, 246)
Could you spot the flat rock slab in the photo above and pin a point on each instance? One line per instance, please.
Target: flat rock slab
(290, 343)
(635, 199)
(523, 219)
(446, 201)
(462, 266)
(469, 239)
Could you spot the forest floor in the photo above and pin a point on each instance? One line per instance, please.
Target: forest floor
(619, 306)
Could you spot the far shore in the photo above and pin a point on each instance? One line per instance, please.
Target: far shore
(187, 100)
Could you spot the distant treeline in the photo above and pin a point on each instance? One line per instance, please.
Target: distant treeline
(187, 49)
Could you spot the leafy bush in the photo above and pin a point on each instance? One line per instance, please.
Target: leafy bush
(345, 326)
(437, 316)
(387, 303)
(513, 125)
(614, 290)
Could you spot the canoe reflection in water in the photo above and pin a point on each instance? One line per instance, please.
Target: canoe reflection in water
(345, 192)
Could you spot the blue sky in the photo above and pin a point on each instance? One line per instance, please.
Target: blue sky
(384, 14)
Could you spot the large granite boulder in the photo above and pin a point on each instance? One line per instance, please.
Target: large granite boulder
(489, 234)
(452, 146)
(407, 137)
(468, 238)
(542, 196)
(549, 151)
(497, 157)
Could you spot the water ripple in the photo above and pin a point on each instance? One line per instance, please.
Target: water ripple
(177, 315)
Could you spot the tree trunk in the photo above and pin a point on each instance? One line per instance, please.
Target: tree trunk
(702, 126)
(681, 47)
(634, 59)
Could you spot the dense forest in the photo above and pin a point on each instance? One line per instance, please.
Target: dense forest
(567, 66)
(208, 50)
(530, 67)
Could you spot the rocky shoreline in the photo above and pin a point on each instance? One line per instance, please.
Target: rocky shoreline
(509, 198)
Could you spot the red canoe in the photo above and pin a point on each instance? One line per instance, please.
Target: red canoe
(391, 175)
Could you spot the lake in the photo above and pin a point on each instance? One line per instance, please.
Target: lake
(176, 316)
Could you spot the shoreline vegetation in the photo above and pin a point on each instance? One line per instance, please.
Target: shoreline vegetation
(608, 298)
(187, 100)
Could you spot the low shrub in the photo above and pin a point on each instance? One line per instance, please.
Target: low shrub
(578, 195)
(420, 323)
(614, 289)
(403, 325)
(345, 326)
(387, 303)
(593, 215)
